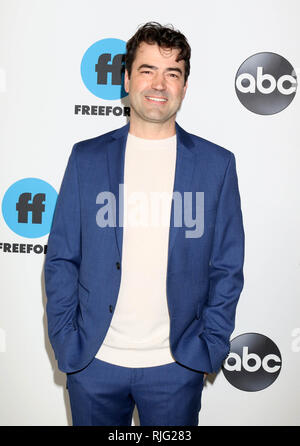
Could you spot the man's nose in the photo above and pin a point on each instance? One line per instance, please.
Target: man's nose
(158, 82)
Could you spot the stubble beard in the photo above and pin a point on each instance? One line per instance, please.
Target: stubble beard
(156, 120)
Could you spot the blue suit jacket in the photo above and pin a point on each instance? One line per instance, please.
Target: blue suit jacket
(83, 264)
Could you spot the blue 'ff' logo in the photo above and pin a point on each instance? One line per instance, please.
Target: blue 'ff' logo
(28, 206)
(102, 69)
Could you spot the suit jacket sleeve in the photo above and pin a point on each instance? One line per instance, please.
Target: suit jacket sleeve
(63, 258)
(226, 270)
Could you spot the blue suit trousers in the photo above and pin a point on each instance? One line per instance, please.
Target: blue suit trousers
(105, 394)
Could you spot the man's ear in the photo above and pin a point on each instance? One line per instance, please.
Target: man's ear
(184, 89)
(126, 81)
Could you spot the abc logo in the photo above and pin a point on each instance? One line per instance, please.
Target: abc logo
(254, 362)
(28, 206)
(266, 83)
(102, 69)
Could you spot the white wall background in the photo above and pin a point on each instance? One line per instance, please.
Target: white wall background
(41, 46)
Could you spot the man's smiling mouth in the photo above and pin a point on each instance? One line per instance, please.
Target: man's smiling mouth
(154, 99)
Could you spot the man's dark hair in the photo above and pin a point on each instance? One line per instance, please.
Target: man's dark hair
(165, 37)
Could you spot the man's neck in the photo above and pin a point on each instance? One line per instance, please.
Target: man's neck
(150, 130)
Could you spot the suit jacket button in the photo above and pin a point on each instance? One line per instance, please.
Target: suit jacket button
(110, 308)
(118, 265)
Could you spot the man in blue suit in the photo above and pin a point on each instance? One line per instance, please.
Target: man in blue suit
(140, 311)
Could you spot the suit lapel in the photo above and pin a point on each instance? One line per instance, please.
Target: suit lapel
(116, 163)
(184, 169)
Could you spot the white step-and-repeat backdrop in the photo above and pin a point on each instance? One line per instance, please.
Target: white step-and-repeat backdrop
(242, 95)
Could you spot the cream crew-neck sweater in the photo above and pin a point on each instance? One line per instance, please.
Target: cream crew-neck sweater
(138, 335)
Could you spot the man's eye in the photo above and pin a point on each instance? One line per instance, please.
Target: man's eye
(146, 72)
(174, 75)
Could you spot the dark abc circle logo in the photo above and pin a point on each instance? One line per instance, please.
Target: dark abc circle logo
(28, 207)
(266, 83)
(102, 68)
(254, 362)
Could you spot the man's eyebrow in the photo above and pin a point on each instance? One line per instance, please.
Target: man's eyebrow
(144, 65)
(175, 69)
(152, 67)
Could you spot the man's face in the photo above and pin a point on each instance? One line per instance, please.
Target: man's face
(156, 85)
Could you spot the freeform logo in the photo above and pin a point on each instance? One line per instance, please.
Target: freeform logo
(266, 83)
(102, 69)
(254, 362)
(28, 207)
(36, 207)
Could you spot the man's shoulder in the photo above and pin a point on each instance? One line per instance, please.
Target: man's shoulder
(97, 143)
(209, 148)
